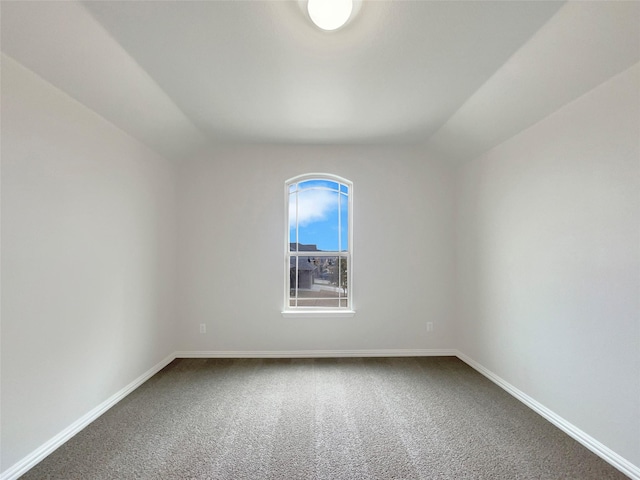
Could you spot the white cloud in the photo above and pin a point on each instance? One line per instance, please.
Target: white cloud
(313, 205)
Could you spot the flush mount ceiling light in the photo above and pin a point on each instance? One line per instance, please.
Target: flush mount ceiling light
(330, 14)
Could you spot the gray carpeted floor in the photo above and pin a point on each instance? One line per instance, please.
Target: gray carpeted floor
(350, 418)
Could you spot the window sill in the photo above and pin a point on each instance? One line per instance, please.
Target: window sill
(318, 313)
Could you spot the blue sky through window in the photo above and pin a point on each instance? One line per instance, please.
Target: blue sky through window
(322, 209)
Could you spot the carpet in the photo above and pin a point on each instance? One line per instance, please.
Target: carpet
(331, 418)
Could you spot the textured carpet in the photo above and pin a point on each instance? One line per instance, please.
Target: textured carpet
(350, 418)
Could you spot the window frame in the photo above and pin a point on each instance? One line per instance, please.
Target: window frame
(307, 311)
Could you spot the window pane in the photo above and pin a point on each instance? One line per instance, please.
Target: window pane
(317, 211)
(318, 278)
(327, 184)
(292, 220)
(293, 268)
(343, 276)
(304, 271)
(344, 223)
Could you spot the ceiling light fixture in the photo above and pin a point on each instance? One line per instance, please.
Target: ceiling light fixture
(330, 14)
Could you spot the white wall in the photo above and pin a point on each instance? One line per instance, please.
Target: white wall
(548, 262)
(231, 251)
(88, 254)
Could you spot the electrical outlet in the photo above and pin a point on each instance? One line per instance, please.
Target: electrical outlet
(429, 326)
(203, 328)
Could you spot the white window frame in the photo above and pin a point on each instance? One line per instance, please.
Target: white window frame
(289, 311)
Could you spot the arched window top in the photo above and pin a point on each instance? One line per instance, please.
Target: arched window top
(319, 176)
(318, 243)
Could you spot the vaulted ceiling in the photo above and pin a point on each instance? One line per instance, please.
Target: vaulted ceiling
(456, 76)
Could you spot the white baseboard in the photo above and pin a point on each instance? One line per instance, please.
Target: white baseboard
(47, 448)
(318, 353)
(588, 441)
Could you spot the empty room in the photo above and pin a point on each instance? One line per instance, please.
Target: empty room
(320, 239)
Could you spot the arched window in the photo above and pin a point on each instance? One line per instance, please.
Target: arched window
(318, 259)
